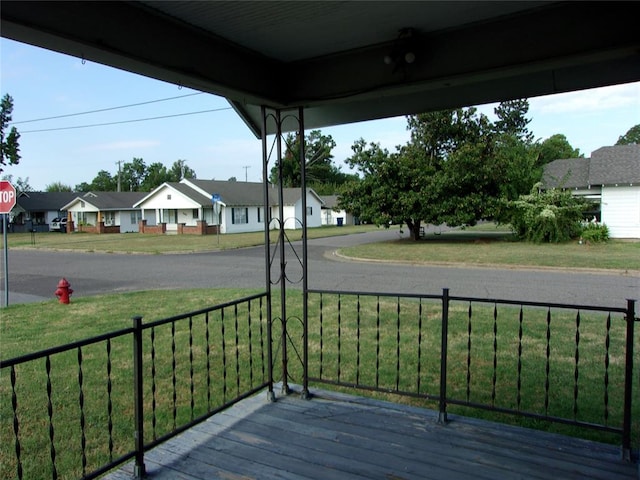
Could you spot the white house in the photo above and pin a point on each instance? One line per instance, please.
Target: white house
(332, 215)
(174, 204)
(233, 207)
(610, 179)
(292, 209)
(104, 212)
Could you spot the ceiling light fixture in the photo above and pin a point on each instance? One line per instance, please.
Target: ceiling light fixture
(402, 51)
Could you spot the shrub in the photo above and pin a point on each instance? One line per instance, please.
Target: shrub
(549, 216)
(594, 232)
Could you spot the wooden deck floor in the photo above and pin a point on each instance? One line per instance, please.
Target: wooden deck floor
(336, 436)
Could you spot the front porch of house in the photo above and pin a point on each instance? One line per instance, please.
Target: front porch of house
(341, 436)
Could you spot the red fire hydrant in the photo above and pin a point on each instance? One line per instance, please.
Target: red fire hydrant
(64, 291)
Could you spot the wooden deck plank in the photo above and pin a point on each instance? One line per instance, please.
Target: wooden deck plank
(339, 436)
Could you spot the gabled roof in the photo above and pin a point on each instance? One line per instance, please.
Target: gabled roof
(619, 164)
(193, 195)
(566, 173)
(233, 193)
(291, 195)
(44, 201)
(330, 201)
(104, 201)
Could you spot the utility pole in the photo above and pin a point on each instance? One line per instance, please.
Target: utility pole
(119, 163)
(246, 167)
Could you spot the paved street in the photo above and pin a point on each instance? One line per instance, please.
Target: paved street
(33, 275)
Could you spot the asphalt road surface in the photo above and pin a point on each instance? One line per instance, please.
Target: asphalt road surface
(34, 275)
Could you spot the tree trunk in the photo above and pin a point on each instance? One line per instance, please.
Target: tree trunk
(414, 230)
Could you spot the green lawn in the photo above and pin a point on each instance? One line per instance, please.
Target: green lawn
(489, 246)
(158, 244)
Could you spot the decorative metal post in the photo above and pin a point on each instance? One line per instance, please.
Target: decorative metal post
(267, 252)
(305, 285)
(628, 382)
(442, 411)
(139, 468)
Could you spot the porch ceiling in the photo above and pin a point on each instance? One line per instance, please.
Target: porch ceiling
(329, 56)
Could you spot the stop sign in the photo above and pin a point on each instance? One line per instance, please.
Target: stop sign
(7, 196)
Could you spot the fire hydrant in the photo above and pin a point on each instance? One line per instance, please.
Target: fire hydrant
(64, 291)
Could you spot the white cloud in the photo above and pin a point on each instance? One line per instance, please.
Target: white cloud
(594, 100)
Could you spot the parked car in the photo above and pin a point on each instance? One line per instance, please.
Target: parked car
(58, 224)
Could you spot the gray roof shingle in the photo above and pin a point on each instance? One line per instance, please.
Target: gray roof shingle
(235, 193)
(110, 200)
(619, 164)
(44, 201)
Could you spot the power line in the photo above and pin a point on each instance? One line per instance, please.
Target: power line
(124, 121)
(106, 109)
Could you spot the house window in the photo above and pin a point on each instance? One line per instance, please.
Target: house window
(239, 215)
(81, 204)
(109, 218)
(168, 196)
(136, 216)
(195, 214)
(260, 215)
(309, 211)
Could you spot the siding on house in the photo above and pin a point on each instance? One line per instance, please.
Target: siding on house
(620, 210)
(292, 209)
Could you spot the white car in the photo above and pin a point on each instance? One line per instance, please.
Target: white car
(58, 224)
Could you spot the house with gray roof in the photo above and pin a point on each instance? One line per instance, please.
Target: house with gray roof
(36, 210)
(103, 212)
(610, 178)
(195, 206)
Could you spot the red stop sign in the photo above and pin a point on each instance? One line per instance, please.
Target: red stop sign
(7, 196)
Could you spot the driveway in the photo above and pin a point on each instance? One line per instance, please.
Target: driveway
(34, 274)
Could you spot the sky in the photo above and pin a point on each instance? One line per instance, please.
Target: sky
(203, 130)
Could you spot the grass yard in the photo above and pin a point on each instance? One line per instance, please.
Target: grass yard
(491, 247)
(159, 244)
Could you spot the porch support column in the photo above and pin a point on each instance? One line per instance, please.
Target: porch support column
(283, 263)
(279, 275)
(267, 251)
(305, 286)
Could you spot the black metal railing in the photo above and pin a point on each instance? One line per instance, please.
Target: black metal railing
(132, 389)
(557, 363)
(117, 395)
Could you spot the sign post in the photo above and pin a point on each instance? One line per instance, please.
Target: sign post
(215, 199)
(7, 202)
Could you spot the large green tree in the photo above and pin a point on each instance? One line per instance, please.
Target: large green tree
(180, 170)
(319, 167)
(632, 136)
(103, 182)
(58, 187)
(555, 147)
(455, 169)
(20, 184)
(133, 175)
(512, 119)
(9, 143)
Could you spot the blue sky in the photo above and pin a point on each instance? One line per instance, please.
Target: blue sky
(216, 144)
